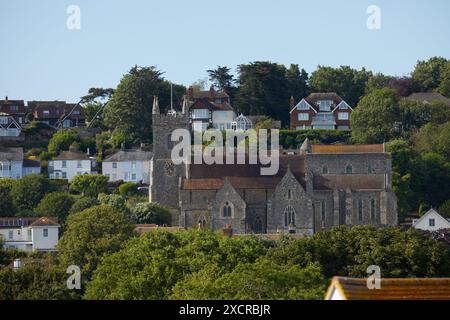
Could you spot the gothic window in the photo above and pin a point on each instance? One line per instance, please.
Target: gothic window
(227, 210)
(349, 169)
(369, 169)
(360, 210)
(202, 222)
(257, 225)
(372, 209)
(322, 210)
(289, 194)
(289, 216)
(325, 170)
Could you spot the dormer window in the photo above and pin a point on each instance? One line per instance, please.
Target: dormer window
(303, 105)
(324, 105)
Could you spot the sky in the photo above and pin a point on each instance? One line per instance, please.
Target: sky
(42, 59)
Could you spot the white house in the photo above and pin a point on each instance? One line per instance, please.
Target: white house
(128, 166)
(11, 163)
(431, 221)
(70, 164)
(29, 233)
(9, 127)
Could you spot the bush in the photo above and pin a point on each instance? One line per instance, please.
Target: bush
(62, 140)
(128, 189)
(83, 203)
(55, 204)
(148, 213)
(89, 185)
(292, 139)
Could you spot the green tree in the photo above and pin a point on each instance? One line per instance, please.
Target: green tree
(128, 189)
(444, 86)
(434, 138)
(28, 191)
(114, 200)
(89, 185)
(373, 119)
(7, 208)
(151, 213)
(90, 234)
(348, 83)
(55, 204)
(83, 203)
(130, 108)
(377, 81)
(427, 73)
(222, 79)
(297, 82)
(444, 209)
(440, 112)
(62, 140)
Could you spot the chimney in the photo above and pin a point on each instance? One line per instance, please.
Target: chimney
(228, 231)
(6, 98)
(292, 101)
(191, 94)
(212, 92)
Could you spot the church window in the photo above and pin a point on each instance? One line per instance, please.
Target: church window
(289, 216)
(257, 225)
(322, 210)
(289, 194)
(349, 169)
(226, 210)
(369, 169)
(360, 210)
(372, 209)
(325, 170)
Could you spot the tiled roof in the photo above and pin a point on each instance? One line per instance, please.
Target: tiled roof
(8, 222)
(130, 155)
(348, 148)
(56, 109)
(392, 289)
(44, 222)
(209, 94)
(11, 154)
(211, 105)
(313, 98)
(428, 97)
(72, 155)
(352, 181)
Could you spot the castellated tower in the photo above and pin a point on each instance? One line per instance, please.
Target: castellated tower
(165, 175)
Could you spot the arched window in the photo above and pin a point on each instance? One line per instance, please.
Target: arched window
(325, 169)
(202, 222)
(349, 169)
(289, 216)
(372, 209)
(369, 169)
(227, 210)
(257, 225)
(360, 210)
(289, 194)
(322, 210)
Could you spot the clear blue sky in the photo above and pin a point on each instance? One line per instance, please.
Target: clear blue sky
(41, 59)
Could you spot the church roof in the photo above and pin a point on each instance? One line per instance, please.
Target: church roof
(347, 148)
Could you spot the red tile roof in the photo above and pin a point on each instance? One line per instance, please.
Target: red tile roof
(348, 148)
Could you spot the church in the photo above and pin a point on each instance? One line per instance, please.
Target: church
(316, 187)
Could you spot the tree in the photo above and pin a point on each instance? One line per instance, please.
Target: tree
(221, 79)
(444, 209)
(90, 234)
(55, 204)
(427, 73)
(373, 119)
(377, 81)
(151, 213)
(7, 208)
(440, 112)
(444, 86)
(62, 140)
(28, 191)
(130, 108)
(89, 185)
(128, 189)
(114, 200)
(403, 86)
(348, 83)
(83, 203)
(297, 82)
(434, 138)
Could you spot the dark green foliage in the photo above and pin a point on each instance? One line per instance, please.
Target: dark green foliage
(62, 140)
(28, 191)
(7, 208)
(427, 74)
(128, 189)
(83, 203)
(290, 139)
(89, 185)
(151, 213)
(55, 204)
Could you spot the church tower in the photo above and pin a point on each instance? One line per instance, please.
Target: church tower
(165, 175)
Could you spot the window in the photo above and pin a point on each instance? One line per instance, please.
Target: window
(133, 176)
(257, 225)
(78, 163)
(289, 194)
(133, 165)
(10, 234)
(226, 210)
(64, 175)
(200, 114)
(126, 176)
(14, 108)
(289, 216)
(360, 210)
(76, 112)
(431, 222)
(46, 112)
(45, 233)
(303, 105)
(369, 169)
(349, 169)
(114, 165)
(324, 105)
(3, 120)
(303, 116)
(372, 209)
(64, 164)
(29, 233)
(342, 115)
(323, 210)
(325, 170)
(114, 176)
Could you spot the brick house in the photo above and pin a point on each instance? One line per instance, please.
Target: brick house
(320, 111)
(57, 113)
(14, 108)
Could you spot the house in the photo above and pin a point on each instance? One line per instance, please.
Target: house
(29, 233)
(209, 109)
(11, 163)
(9, 127)
(69, 164)
(342, 288)
(320, 111)
(317, 188)
(128, 166)
(57, 113)
(14, 108)
(431, 221)
(31, 166)
(428, 97)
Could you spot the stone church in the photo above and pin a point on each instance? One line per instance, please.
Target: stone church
(316, 187)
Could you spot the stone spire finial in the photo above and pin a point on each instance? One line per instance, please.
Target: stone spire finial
(306, 147)
(185, 105)
(155, 109)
